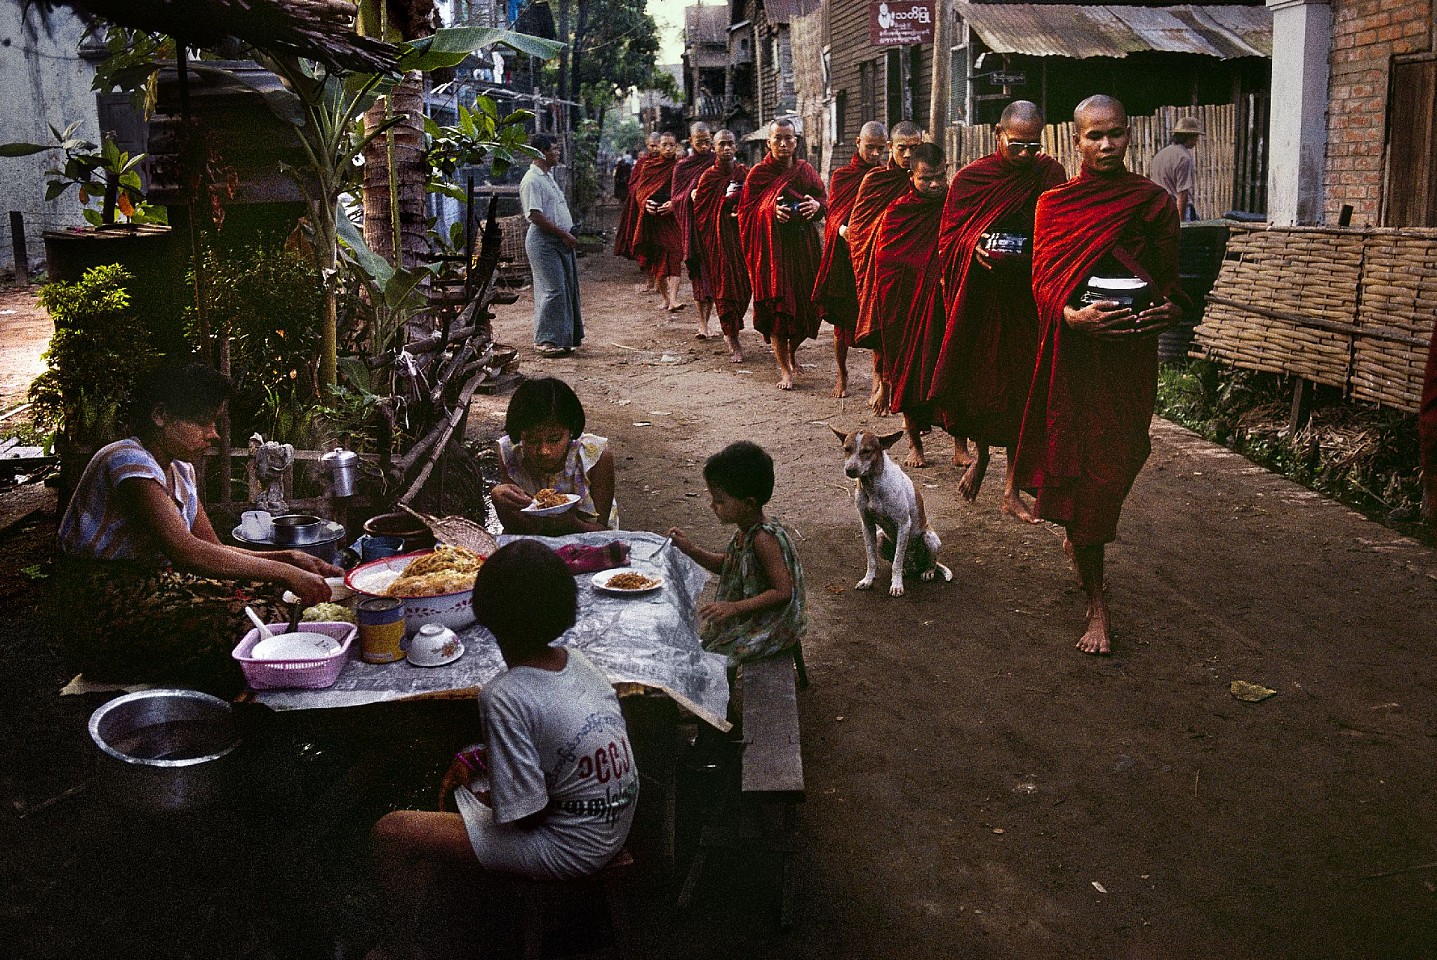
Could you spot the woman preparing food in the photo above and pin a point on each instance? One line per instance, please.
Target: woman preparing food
(144, 590)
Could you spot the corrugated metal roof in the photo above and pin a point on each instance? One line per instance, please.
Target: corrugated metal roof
(1225, 32)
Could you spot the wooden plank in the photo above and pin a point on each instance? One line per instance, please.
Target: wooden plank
(20, 503)
(772, 759)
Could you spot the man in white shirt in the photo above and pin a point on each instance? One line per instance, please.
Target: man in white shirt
(558, 325)
(1174, 169)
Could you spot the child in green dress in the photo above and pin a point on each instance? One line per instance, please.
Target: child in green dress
(758, 610)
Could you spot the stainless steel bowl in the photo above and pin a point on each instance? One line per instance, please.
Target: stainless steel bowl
(161, 749)
(296, 529)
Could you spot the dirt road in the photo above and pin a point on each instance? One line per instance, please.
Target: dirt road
(978, 788)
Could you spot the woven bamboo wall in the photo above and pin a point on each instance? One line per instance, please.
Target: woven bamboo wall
(1214, 156)
(1349, 308)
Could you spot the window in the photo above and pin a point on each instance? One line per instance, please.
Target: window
(1410, 192)
(840, 117)
(958, 85)
(895, 88)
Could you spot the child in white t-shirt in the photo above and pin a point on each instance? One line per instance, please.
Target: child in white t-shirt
(562, 781)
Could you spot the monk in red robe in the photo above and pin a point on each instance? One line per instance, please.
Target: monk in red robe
(716, 240)
(1085, 430)
(782, 199)
(681, 189)
(657, 243)
(880, 187)
(983, 362)
(629, 215)
(904, 281)
(835, 291)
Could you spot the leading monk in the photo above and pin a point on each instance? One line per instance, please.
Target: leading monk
(685, 179)
(717, 247)
(629, 215)
(1085, 430)
(835, 290)
(984, 360)
(782, 199)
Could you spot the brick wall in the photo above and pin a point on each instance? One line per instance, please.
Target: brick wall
(1366, 34)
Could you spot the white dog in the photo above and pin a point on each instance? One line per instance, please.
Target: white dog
(891, 509)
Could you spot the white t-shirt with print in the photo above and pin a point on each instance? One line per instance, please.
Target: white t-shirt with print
(556, 739)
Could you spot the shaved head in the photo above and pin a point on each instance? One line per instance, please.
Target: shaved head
(725, 135)
(1021, 112)
(906, 128)
(1099, 101)
(873, 129)
(698, 127)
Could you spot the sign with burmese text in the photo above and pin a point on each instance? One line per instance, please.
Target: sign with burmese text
(900, 22)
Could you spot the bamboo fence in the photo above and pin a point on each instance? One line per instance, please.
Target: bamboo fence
(1351, 308)
(1215, 154)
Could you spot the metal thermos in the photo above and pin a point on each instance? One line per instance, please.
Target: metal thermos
(343, 469)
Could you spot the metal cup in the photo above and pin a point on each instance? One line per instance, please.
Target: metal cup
(372, 547)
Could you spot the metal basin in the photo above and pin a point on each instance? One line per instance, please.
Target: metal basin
(296, 529)
(163, 750)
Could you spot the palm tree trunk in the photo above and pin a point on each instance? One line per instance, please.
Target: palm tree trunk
(394, 167)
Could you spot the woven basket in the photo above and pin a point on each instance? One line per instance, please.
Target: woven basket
(513, 261)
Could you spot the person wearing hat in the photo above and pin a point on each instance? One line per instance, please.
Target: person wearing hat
(1174, 169)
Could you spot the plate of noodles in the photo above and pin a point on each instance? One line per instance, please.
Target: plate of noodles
(437, 586)
(626, 580)
(548, 503)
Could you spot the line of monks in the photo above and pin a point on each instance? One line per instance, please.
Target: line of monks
(987, 301)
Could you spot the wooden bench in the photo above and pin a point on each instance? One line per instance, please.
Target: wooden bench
(771, 780)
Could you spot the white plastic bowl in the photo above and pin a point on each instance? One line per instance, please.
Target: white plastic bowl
(452, 610)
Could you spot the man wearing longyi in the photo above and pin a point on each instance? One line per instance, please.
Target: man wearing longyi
(1085, 429)
(880, 187)
(982, 362)
(835, 291)
(782, 199)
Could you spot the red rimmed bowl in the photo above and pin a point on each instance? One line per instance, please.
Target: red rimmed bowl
(452, 610)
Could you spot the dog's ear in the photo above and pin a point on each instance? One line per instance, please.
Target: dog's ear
(890, 439)
(838, 433)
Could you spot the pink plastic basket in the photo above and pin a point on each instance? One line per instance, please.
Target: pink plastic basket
(304, 674)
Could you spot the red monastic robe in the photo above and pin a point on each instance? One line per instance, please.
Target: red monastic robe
(686, 176)
(717, 247)
(1085, 429)
(981, 361)
(656, 243)
(904, 282)
(835, 289)
(629, 215)
(782, 257)
(880, 188)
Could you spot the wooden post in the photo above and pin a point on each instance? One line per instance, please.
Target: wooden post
(1301, 405)
(17, 243)
(942, 84)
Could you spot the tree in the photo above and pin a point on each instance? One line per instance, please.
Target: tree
(613, 47)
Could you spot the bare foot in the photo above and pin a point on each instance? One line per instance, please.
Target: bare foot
(960, 452)
(1013, 506)
(735, 352)
(915, 458)
(785, 383)
(972, 479)
(1095, 639)
(879, 400)
(840, 389)
(675, 307)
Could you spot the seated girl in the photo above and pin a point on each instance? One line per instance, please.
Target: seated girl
(144, 590)
(758, 608)
(562, 784)
(544, 446)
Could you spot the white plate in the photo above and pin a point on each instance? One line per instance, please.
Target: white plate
(569, 500)
(295, 646)
(602, 578)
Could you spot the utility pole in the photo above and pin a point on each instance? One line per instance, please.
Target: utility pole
(942, 60)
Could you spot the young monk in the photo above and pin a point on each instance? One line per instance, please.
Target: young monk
(1085, 428)
(717, 247)
(658, 245)
(782, 199)
(682, 190)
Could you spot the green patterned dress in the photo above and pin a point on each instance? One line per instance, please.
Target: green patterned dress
(767, 632)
